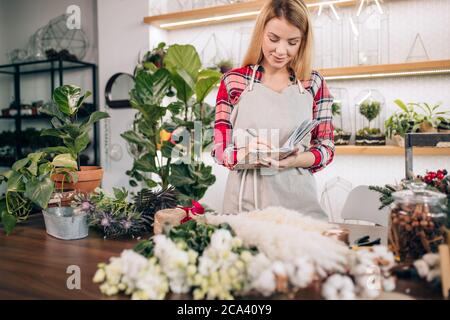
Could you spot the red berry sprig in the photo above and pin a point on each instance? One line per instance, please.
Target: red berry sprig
(437, 176)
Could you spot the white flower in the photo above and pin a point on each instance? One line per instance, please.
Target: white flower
(338, 287)
(174, 262)
(301, 272)
(151, 284)
(422, 268)
(388, 284)
(113, 271)
(132, 264)
(99, 276)
(432, 259)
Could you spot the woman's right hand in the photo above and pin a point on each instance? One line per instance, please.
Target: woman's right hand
(255, 144)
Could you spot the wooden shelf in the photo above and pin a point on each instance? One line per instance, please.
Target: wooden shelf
(389, 151)
(217, 14)
(368, 71)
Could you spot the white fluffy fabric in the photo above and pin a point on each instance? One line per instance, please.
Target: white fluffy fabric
(285, 235)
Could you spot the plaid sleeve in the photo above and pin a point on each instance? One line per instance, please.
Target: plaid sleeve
(223, 152)
(322, 137)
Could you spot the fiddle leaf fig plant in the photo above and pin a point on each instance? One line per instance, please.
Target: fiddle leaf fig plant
(67, 101)
(166, 150)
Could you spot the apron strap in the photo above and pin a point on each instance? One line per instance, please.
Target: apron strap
(255, 68)
(255, 189)
(300, 86)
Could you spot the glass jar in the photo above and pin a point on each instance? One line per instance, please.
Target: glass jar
(417, 222)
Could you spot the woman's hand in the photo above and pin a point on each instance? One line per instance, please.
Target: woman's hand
(255, 144)
(295, 160)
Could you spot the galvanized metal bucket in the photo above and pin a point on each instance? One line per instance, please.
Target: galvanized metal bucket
(64, 223)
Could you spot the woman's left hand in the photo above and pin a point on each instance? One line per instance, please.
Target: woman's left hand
(288, 162)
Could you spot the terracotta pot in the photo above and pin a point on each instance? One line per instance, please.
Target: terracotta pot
(89, 178)
(427, 127)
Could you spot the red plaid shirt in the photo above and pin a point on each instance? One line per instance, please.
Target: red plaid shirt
(233, 84)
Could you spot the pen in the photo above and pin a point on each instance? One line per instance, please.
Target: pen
(252, 132)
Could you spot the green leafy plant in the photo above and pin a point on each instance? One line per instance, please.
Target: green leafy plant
(163, 134)
(370, 110)
(225, 65)
(197, 236)
(154, 58)
(369, 132)
(403, 122)
(29, 184)
(336, 108)
(67, 101)
(114, 216)
(432, 117)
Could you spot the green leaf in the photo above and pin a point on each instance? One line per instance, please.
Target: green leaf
(52, 109)
(121, 194)
(150, 89)
(45, 168)
(67, 98)
(133, 183)
(207, 79)
(9, 221)
(179, 175)
(71, 130)
(35, 156)
(83, 98)
(19, 164)
(166, 149)
(133, 137)
(183, 57)
(64, 160)
(33, 168)
(184, 91)
(93, 118)
(145, 127)
(401, 105)
(176, 107)
(53, 133)
(56, 150)
(81, 142)
(146, 163)
(39, 191)
(15, 182)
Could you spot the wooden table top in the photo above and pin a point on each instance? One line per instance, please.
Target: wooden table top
(33, 265)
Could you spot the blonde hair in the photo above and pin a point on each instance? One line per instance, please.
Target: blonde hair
(296, 13)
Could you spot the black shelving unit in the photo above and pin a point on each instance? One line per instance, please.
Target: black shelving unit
(53, 67)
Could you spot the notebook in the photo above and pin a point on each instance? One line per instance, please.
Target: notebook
(300, 132)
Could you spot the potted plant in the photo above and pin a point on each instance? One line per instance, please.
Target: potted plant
(432, 117)
(74, 134)
(341, 137)
(29, 185)
(370, 109)
(401, 123)
(225, 65)
(163, 134)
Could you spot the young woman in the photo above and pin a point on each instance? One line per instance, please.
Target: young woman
(274, 90)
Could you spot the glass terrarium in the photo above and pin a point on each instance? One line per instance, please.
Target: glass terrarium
(417, 222)
(341, 116)
(370, 29)
(328, 36)
(369, 118)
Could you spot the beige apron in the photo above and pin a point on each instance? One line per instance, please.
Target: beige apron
(274, 116)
